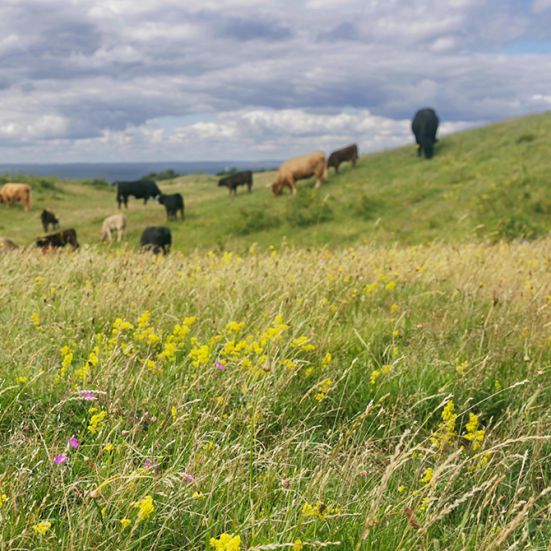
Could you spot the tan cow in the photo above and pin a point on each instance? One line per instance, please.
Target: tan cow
(299, 168)
(117, 223)
(16, 193)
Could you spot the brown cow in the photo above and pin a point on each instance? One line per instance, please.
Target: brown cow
(300, 168)
(348, 153)
(16, 193)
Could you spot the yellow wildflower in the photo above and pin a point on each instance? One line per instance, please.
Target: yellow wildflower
(390, 286)
(108, 448)
(319, 510)
(234, 327)
(298, 545)
(473, 434)
(3, 499)
(374, 376)
(125, 523)
(427, 475)
(323, 389)
(401, 489)
(145, 507)
(226, 542)
(386, 369)
(220, 401)
(35, 318)
(42, 527)
(303, 343)
(198, 496)
(143, 320)
(97, 422)
(173, 413)
(394, 308)
(21, 380)
(327, 359)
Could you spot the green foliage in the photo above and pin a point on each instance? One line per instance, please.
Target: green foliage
(98, 183)
(309, 207)
(255, 219)
(168, 174)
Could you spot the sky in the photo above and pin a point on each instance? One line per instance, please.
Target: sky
(167, 80)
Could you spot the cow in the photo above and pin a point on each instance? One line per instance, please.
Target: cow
(424, 126)
(118, 223)
(58, 240)
(48, 218)
(299, 168)
(348, 153)
(156, 239)
(16, 193)
(173, 203)
(238, 179)
(140, 189)
(7, 245)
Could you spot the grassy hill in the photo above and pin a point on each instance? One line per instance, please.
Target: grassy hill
(490, 182)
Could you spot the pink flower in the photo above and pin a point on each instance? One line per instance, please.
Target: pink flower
(219, 365)
(88, 396)
(73, 442)
(189, 478)
(363, 474)
(60, 459)
(285, 483)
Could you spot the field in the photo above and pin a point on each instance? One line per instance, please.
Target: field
(357, 375)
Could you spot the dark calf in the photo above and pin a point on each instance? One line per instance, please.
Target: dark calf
(156, 239)
(48, 218)
(58, 240)
(348, 153)
(173, 203)
(232, 182)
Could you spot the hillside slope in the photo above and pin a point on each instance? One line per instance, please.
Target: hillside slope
(490, 182)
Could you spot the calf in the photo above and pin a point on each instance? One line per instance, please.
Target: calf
(58, 240)
(173, 203)
(118, 223)
(156, 239)
(140, 189)
(238, 179)
(48, 218)
(299, 168)
(348, 153)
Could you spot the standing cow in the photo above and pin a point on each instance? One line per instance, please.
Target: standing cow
(48, 218)
(16, 193)
(244, 178)
(140, 189)
(424, 126)
(116, 223)
(348, 153)
(173, 203)
(299, 168)
(156, 239)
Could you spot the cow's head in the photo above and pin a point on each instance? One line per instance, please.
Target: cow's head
(428, 148)
(222, 182)
(277, 188)
(161, 199)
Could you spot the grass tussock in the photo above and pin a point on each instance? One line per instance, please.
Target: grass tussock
(366, 398)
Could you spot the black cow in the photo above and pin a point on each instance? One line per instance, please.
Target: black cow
(238, 179)
(156, 239)
(58, 240)
(348, 153)
(173, 203)
(48, 218)
(140, 189)
(424, 126)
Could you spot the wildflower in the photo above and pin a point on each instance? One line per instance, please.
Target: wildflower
(173, 413)
(446, 429)
(323, 389)
(303, 343)
(199, 355)
(461, 367)
(125, 523)
(289, 364)
(143, 320)
(90, 396)
(145, 507)
(108, 448)
(220, 401)
(319, 510)
(473, 434)
(394, 308)
(21, 380)
(235, 327)
(427, 475)
(148, 464)
(189, 478)
(390, 286)
(386, 369)
(298, 545)
(285, 483)
(198, 496)
(66, 359)
(42, 527)
(375, 374)
(35, 318)
(226, 542)
(363, 474)
(3, 499)
(60, 459)
(73, 442)
(219, 365)
(327, 359)
(97, 422)
(425, 504)
(401, 489)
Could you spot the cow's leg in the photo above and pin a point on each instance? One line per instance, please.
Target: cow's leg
(291, 183)
(145, 200)
(250, 187)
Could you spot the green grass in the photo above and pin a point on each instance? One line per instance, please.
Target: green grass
(373, 374)
(488, 183)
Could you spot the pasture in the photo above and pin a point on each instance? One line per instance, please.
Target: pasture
(365, 368)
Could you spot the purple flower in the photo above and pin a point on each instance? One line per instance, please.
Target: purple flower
(73, 442)
(189, 478)
(88, 396)
(219, 365)
(148, 464)
(60, 459)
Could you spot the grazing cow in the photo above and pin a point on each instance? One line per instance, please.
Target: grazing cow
(300, 168)
(7, 245)
(238, 179)
(118, 223)
(424, 126)
(173, 203)
(16, 193)
(140, 189)
(48, 218)
(156, 239)
(348, 153)
(58, 240)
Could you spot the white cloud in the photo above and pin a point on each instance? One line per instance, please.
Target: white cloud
(540, 6)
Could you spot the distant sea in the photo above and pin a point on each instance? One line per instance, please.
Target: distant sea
(112, 172)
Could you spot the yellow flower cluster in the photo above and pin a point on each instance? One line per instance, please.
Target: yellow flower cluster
(226, 542)
(3, 499)
(319, 510)
(35, 318)
(145, 508)
(323, 389)
(67, 356)
(473, 434)
(445, 433)
(42, 527)
(303, 343)
(97, 421)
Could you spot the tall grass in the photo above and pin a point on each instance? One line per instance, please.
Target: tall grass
(370, 398)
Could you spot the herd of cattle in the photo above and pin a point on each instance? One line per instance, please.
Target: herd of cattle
(159, 238)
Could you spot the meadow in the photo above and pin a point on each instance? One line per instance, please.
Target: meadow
(377, 383)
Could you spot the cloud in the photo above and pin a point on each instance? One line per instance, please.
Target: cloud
(118, 75)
